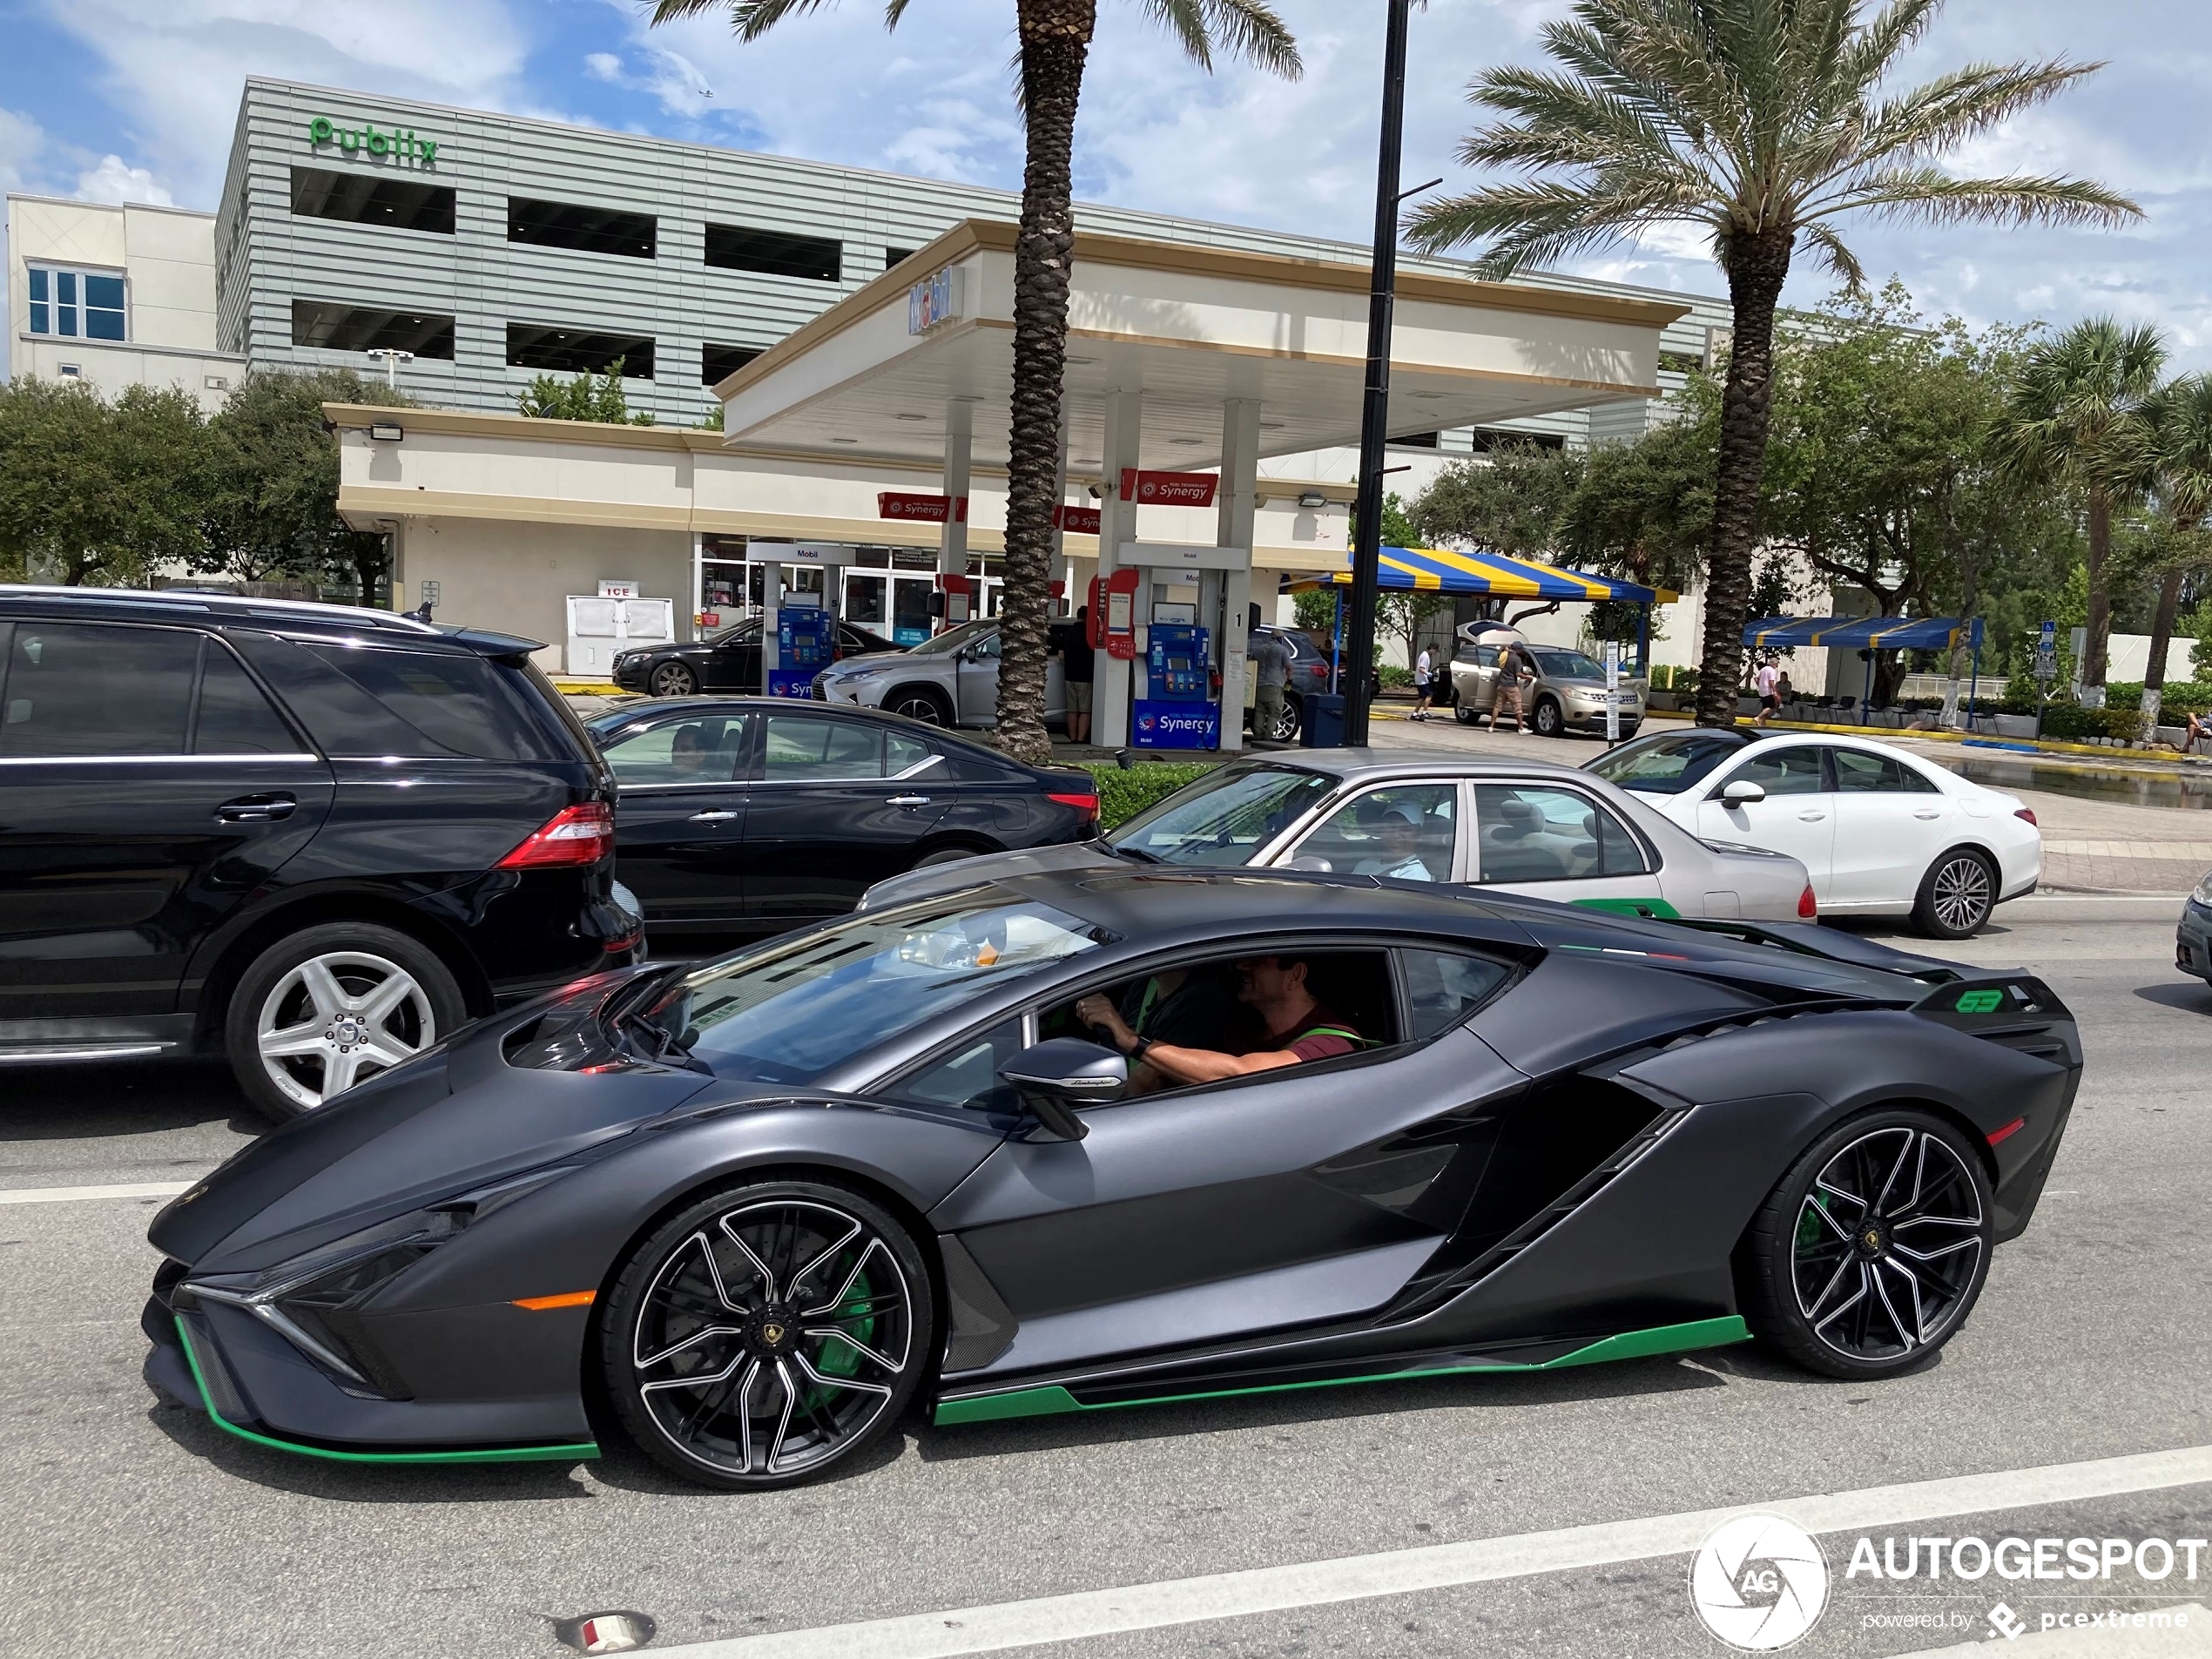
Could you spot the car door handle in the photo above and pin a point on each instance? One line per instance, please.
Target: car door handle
(1928, 812)
(1812, 818)
(256, 809)
(908, 800)
(712, 817)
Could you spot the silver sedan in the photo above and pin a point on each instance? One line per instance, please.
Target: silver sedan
(1549, 831)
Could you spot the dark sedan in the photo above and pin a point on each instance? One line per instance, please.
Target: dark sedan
(742, 813)
(729, 661)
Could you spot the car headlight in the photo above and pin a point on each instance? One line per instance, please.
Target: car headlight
(2204, 894)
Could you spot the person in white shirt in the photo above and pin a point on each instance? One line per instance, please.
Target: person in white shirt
(1769, 698)
(1424, 685)
(1400, 857)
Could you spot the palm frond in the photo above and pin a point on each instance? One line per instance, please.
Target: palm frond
(1935, 197)
(1545, 219)
(1559, 122)
(2180, 416)
(1828, 250)
(1953, 108)
(750, 18)
(1246, 29)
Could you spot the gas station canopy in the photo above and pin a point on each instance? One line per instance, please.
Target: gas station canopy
(1439, 571)
(1865, 633)
(1191, 328)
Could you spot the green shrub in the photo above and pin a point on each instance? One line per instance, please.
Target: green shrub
(2194, 695)
(1395, 680)
(1123, 794)
(1666, 677)
(2070, 722)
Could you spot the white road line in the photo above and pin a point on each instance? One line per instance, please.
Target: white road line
(68, 1195)
(1272, 1589)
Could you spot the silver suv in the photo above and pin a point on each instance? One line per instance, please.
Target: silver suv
(1567, 695)
(950, 680)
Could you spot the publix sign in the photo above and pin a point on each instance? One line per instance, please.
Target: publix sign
(398, 143)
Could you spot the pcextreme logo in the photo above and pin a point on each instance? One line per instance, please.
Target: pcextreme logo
(1759, 1582)
(400, 143)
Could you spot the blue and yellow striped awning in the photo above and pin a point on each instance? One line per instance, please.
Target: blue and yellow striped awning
(1439, 571)
(1864, 633)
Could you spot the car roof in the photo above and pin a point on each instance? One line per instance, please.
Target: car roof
(1144, 904)
(1361, 766)
(727, 704)
(168, 604)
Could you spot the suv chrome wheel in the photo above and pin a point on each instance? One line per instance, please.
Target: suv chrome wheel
(338, 1018)
(917, 705)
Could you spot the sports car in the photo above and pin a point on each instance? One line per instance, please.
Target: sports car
(751, 1212)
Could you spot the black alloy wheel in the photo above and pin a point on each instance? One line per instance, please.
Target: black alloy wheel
(1870, 1254)
(674, 679)
(919, 703)
(1956, 895)
(1550, 721)
(767, 1332)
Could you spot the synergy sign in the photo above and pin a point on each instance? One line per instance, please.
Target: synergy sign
(400, 143)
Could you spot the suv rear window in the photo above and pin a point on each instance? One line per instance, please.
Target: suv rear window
(372, 700)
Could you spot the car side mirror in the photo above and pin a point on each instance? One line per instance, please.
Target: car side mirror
(1313, 862)
(1055, 1076)
(1742, 792)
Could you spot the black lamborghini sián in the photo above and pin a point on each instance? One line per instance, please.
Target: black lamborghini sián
(757, 1208)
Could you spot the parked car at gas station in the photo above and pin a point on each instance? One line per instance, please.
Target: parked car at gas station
(729, 661)
(950, 680)
(1567, 693)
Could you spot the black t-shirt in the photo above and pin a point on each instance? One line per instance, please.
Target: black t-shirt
(1076, 661)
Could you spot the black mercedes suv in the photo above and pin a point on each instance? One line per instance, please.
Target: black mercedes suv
(312, 837)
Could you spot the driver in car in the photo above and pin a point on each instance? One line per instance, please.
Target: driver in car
(1298, 1027)
(1400, 858)
(687, 752)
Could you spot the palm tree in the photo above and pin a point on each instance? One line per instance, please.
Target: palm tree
(1762, 122)
(2180, 419)
(2079, 413)
(1055, 37)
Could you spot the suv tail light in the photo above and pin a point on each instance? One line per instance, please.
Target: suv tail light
(1808, 906)
(575, 835)
(1087, 805)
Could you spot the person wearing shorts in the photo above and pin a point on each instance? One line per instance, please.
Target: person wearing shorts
(1769, 698)
(1077, 665)
(1505, 688)
(1424, 685)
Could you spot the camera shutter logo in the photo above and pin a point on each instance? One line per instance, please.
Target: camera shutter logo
(1758, 1582)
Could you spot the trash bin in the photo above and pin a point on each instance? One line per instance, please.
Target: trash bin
(1322, 726)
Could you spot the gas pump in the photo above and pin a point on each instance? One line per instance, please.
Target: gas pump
(806, 640)
(1178, 709)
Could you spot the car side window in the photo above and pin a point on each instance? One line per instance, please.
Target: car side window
(902, 754)
(966, 1075)
(1784, 772)
(695, 749)
(1859, 772)
(810, 747)
(1443, 987)
(985, 650)
(234, 718)
(1405, 831)
(97, 690)
(1535, 832)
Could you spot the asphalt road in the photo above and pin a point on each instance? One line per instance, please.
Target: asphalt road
(135, 1528)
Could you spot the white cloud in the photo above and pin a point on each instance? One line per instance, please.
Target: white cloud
(20, 141)
(115, 181)
(602, 66)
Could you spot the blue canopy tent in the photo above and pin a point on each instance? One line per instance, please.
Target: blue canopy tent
(1870, 634)
(1434, 570)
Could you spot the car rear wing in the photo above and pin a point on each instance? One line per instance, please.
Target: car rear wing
(1985, 1004)
(1810, 939)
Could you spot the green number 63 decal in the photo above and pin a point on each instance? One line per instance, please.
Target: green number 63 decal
(1981, 1001)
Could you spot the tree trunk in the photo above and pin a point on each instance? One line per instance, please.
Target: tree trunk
(2092, 653)
(1758, 264)
(1056, 42)
(2162, 635)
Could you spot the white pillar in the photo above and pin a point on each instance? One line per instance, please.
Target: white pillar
(1236, 505)
(1116, 524)
(771, 601)
(951, 543)
(691, 628)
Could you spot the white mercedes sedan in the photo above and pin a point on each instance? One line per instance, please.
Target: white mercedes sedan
(1882, 832)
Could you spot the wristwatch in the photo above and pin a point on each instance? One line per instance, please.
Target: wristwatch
(1142, 1043)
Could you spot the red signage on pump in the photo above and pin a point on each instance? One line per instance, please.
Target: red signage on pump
(917, 509)
(1083, 521)
(1169, 489)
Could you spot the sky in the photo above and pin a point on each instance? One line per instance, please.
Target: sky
(118, 100)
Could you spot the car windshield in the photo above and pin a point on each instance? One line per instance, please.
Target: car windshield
(1223, 818)
(1566, 664)
(790, 1011)
(954, 638)
(1666, 764)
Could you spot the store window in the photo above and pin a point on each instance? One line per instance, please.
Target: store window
(717, 363)
(896, 256)
(75, 304)
(739, 247)
(585, 230)
(577, 351)
(328, 325)
(356, 198)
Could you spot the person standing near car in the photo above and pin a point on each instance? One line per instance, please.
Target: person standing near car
(1505, 687)
(1424, 684)
(1269, 656)
(1076, 664)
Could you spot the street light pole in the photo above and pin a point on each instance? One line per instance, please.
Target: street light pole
(1366, 559)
